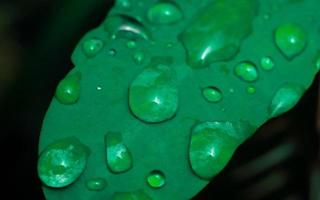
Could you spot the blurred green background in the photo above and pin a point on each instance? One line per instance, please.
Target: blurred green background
(37, 37)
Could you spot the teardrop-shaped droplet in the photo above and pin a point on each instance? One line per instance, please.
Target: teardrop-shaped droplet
(68, 90)
(136, 195)
(62, 162)
(285, 99)
(164, 13)
(211, 147)
(118, 158)
(218, 31)
(153, 93)
(291, 39)
(267, 63)
(156, 179)
(96, 184)
(127, 27)
(247, 71)
(92, 47)
(212, 94)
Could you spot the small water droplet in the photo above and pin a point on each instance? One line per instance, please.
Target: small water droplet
(99, 88)
(267, 63)
(138, 57)
(96, 184)
(170, 45)
(136, 195)
(284, 99)
(156, 179)
(291, 39)
(68, 90)
(164, 13)
(123, 3)
(112, 52)
(118, 157)
(317, 62)
(62, 162)
(131, 44)
(91, 47)
(251, 90)
(247, 71)
(212, 94)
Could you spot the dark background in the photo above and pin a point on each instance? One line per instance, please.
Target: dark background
(282, 161)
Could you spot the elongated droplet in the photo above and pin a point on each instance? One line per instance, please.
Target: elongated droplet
(92, 47)
(118, 156)
(123, 26)
(156, 179)
(68, 90)
(218, 31)
(164, 13)
(62, 162)
(153, 93)
(96, 184)
(285, 99)
(247, 71)
(212, 145)
(212, 94)
(136, 195)
(267, 63)
(291, 39)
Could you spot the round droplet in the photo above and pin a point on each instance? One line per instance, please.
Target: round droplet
(62, 162)
(251, 90)
(153, 95)
(247, 71)
(291, 39)
(96, 184)
(118, 157)
(68, 90)
(267, 63)
(212, 94)
(123, 3)
(156, 179)
(112, 52)
(131, 44)
(92, 47)
(136, 195)
(284, 99)
(138, 57)
(164, 13)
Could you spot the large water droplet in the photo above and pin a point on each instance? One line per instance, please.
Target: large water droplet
(218, 31)
(96, 184)
(136, 195)
(62, 162)
(92, 47)
(211, 147)
(156, 179)
(267, 63)
(285, 99)
(68, 90)
(153, 93)
(164, 13)
(118, 156)
(291, 39)
(127, 27)
(212, 94)
(247, 71)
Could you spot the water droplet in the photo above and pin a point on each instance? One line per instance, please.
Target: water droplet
(218, 31)
(156, 179)
(62, 162)
(153, 95)
(164, 13)
(118, 157)
(211, 147)
(291, 39)
(136, 195)
(91, 47)
(123, 3)
(68, 90)
(285, 99)
(131, 44)
(317, 61)
(251, 90)
(126, 27)
(138, 57)
(112, 52)
(247, 71)
(267, 63)
(96, 184)
(212, 94)
(170, 45)
(99, 88)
